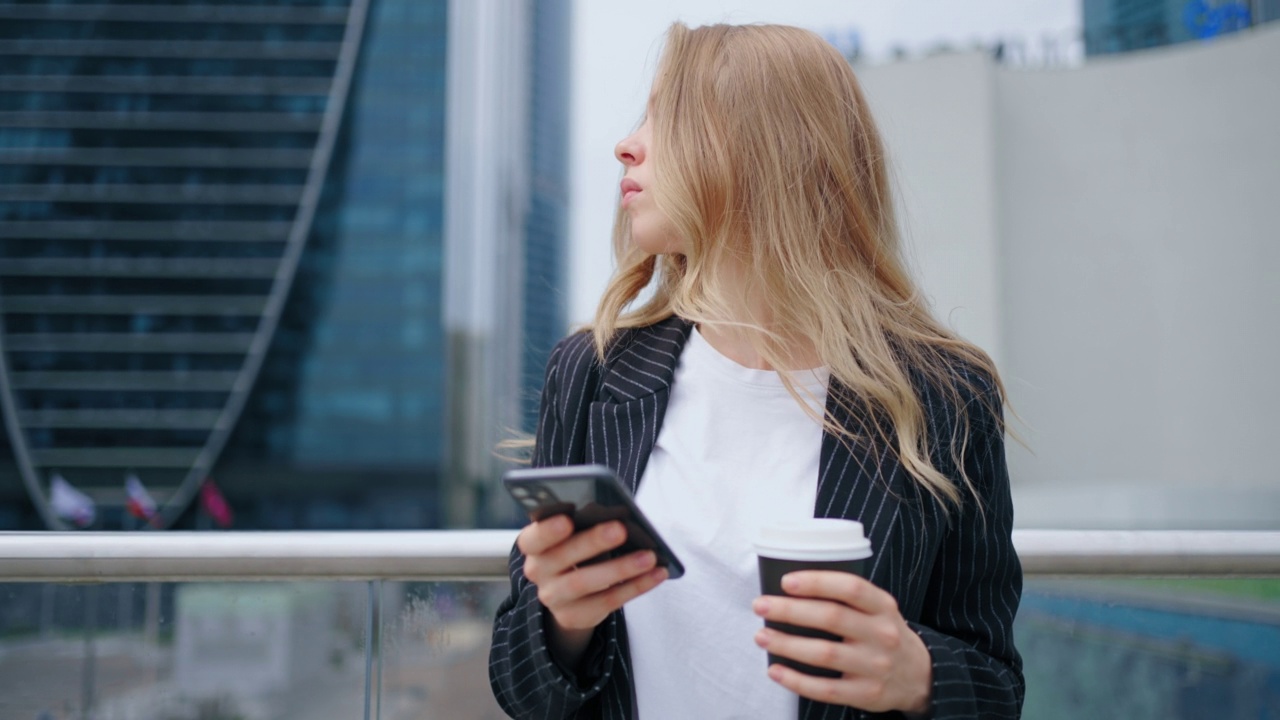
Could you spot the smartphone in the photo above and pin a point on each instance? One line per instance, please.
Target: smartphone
(589, 495)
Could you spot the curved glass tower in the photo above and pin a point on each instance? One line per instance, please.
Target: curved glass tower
(222, 253)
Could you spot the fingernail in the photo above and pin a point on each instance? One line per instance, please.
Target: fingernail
(775, 673)
(760, 606)
(762, 638)
(790, 582)
(643, 559)
(613, 532)
(658, 574)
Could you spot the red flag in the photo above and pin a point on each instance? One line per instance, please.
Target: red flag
(139, 502)
(215, 504)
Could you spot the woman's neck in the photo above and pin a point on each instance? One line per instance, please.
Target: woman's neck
(737, 340)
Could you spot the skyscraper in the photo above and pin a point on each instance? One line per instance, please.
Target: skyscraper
(225, 250)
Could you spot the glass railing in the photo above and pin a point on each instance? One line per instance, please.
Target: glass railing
(214, 626)
(1151, 648)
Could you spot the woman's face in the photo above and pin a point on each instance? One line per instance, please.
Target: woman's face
(651, 230)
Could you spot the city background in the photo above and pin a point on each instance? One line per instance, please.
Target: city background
(298, 264)
(241, 258)
(227, 254)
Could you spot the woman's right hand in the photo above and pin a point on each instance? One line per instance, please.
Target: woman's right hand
(579, 597)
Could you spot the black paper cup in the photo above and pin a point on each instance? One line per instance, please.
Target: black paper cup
(815, 544)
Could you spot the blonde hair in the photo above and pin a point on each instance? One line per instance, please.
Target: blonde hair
(766, 158)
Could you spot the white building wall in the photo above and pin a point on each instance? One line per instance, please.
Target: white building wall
(936, 118)
(1123, 245)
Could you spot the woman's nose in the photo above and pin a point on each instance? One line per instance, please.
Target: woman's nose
(628, 151)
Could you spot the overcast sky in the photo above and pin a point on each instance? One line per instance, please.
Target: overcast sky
(615, 46)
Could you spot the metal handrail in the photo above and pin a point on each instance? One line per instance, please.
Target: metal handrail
(482, 555)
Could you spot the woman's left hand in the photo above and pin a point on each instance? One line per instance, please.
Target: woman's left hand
(885, 665)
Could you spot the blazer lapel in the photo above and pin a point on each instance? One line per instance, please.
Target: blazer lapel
(859, 481)
(624, 420)
(860, 484)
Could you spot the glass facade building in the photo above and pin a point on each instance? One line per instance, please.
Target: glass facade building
(1114, 26)
(548, 219)
(222, 253)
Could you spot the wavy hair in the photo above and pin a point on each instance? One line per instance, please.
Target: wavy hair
(767, 161)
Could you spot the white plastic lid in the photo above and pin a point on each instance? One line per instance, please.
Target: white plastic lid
(820, 539)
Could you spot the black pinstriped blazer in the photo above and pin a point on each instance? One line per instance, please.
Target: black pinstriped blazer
(956, 578)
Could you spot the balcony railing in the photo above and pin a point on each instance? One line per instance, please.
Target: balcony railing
(324, 625)
(482, 555)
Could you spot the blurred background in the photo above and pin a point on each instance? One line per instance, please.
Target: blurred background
(298, 265)
(312, 250)
(305, 259)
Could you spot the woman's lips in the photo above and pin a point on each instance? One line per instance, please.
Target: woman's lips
(630, 188)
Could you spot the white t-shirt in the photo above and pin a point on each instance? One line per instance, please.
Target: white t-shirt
(735, 452)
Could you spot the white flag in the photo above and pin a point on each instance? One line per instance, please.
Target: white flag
(69, 503)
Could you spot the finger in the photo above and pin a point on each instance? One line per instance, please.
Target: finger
(569, 553)
(577, 549)
(585, 545)
(858, 693)
(589, 580)
(852, 590)
(847, 658)
(538, 537)
(557, 557)
(833, 617)
(592, 610)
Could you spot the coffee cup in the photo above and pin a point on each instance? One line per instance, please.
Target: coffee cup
(813, 544)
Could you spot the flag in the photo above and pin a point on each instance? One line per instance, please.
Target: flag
(138, 501)
(215, 504)
(69, 503)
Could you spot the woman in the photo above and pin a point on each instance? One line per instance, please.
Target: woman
(784, 367)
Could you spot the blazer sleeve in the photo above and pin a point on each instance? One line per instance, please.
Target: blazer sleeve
(967, 618)
(526, 680)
